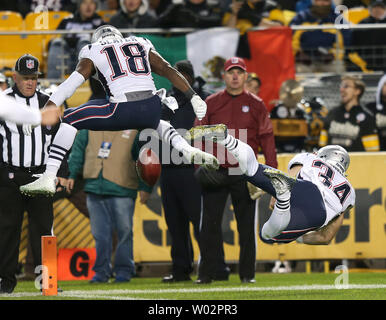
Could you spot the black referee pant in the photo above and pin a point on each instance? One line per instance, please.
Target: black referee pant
(12, 207)
(181, 200)
(214, 201)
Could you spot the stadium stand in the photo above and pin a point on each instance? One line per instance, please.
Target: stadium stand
(10, 44)
(38, 21)
(11, 21)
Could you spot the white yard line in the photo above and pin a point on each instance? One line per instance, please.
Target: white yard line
(124, 294)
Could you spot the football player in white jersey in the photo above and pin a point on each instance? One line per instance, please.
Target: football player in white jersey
(310, 200)
(123, 66)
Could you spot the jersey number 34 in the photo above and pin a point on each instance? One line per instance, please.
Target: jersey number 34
(135, 60)
(342, 190)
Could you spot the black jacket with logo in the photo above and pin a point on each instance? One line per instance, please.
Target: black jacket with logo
(346, 128)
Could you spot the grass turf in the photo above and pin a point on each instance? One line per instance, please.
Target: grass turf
(268, 286)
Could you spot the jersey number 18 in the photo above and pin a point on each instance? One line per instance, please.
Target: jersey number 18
(135, 60)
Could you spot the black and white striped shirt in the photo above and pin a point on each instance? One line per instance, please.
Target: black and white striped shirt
(18, 149)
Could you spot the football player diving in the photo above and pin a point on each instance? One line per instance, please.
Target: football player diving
(310, 200)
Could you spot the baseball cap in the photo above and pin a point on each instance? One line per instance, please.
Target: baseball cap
(27, 65)
(235, 62)
(377, 3)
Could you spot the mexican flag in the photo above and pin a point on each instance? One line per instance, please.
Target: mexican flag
(207, 49)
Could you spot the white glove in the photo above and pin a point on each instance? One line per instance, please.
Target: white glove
(199, 106)
(170, 102)
(27, 129)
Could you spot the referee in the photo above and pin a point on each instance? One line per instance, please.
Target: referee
(23, 155)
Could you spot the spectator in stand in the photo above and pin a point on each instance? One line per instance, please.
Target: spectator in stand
(350, 125)
(158, 6)
(253, 83)
(191, 14)
(319, 50)
(368, 45)
(181, 192)
(133, 14)
(247, 14)
(378, 108)
(85, 18)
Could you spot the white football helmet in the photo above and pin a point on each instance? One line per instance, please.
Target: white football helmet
(336, 156)
(105, 31)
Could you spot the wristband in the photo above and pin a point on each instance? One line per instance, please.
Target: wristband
(189, 93)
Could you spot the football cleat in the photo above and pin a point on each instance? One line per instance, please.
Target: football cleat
(281, 181)
(204, 159)
(44, 185)
(216, 132)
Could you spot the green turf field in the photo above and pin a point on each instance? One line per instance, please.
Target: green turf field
(297, 286)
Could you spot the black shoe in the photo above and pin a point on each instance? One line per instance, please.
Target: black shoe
(6, 286)
(248, 280)
(175, 278)
(203, 280)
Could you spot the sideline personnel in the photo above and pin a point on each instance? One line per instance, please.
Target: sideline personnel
(239, 110)
(23, 155)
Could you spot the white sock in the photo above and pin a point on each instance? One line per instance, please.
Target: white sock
(59, 147)
(278, 220)
(168, 134)
(243, 153)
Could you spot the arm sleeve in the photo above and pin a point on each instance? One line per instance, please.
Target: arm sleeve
(77, 155)
(67, 88)
(10, 110)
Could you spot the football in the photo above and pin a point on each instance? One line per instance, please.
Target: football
(148, 166)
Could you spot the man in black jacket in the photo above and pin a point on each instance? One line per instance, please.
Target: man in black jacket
(350, 125)
(191, 14)
(370, 43)
(23, 156)
(180, 191)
